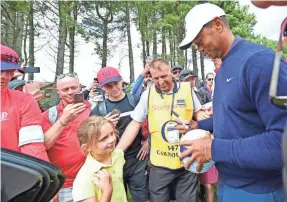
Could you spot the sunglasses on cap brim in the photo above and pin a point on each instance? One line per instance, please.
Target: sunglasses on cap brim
(279, 101)
(61, 76)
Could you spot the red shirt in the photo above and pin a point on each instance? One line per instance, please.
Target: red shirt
(145, 131)
(20, 111)
(66, 152)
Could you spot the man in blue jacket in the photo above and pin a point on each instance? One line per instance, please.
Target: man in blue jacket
(247, 127)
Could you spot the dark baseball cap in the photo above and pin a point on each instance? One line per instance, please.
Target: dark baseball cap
(107, 75)
(9, 59)
(177, 66)
(185, 74)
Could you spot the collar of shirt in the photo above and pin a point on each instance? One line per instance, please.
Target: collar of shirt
(171, 91)
(235, 41)
(94, 166)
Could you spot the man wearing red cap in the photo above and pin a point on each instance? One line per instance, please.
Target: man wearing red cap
(134, 174)
(20, 115)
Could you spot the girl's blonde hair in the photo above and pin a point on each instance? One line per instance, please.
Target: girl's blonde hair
(90, 130)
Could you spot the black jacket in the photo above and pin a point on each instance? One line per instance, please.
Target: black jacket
(205, 95)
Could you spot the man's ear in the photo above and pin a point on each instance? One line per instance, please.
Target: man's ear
(85, 148)
(218, 24)
(57, 90)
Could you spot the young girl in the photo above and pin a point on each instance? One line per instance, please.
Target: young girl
(101, 177)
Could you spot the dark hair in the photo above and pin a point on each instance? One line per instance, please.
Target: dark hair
(208, 75)
(222, 18)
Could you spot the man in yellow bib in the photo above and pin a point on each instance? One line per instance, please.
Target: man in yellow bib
(162, 103)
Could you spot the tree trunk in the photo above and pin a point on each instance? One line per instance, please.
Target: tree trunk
(25, 41)
(163, 43)
(20, 33)
(105, 40)
(143, 42)
(154, 40)
(180, 54)
(185, 64)
(146, 38)
(131, 57)
(13, 31)
(108, 18)
(31, 39)
(180, 34)
(163, 40)
(143, 47)
(62, 38)
(194, 60)
(72, 32)
(175, 59)
(154, 46)
(147, 48)
(170, 47)
(10, 33)
(202, 65)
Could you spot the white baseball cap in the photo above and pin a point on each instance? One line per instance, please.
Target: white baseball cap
(196, 18)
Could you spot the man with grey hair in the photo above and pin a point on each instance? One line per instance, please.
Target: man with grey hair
(162, 103)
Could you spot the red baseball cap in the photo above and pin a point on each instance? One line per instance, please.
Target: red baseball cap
(9, 59)
(107, 75)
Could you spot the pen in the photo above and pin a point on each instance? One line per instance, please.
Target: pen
(181, 119)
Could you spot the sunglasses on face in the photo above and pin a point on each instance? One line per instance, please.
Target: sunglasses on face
(73, 74)
(210, 79)
(279, 101)
(176, 72)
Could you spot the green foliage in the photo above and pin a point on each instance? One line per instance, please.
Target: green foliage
(44, 102)
(269, 43)
(99, 23)
(15, 6)
(165, 18)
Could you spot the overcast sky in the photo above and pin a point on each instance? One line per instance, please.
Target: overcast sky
(87, 63)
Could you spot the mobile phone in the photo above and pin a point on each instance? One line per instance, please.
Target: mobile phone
(98, 97)
(115, 111)
(78, 98)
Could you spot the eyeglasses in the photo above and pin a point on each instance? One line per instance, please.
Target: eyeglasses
(279, 101)
(176, 72)
(210, 79)
(73, 74)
